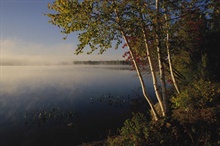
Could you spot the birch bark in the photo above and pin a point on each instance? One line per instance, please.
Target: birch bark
(169, 56)
(160, 62)
(143, 87)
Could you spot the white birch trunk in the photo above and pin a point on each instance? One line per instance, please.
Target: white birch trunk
(152, 70)
(160, 62)
(169, 57)
(153, 74)
(143, 87)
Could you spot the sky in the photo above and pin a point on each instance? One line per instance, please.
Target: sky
(27, 37)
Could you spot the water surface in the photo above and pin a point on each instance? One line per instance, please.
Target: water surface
(64, 105)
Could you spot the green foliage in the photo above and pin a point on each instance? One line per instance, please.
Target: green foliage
(189, 48)
(198, 94)
(194, 41)
(197, 102)
(196, 110)
(91, 18)
(134, 132)
(194, 120)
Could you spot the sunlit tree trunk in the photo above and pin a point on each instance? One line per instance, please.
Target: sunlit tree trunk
(154, 77)
(169, 56)
(152, 70)
(143, 87)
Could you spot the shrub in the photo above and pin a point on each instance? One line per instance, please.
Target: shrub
(196, 110)
(134, 132)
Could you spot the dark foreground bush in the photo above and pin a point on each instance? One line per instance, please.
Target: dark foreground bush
(194, 120)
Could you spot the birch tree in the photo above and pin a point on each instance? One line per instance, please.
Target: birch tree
(169, 54)
(160, 58)
(101, 23)
(137, 68)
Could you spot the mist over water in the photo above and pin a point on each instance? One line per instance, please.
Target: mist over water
(98, 98)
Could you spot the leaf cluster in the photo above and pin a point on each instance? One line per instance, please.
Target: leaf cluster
(93, 19)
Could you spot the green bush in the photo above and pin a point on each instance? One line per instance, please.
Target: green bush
(194, 120)
(134, 132)
(196, 110)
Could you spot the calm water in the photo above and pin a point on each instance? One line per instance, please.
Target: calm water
(64, 105)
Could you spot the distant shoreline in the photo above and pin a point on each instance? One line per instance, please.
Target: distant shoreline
(89, 62)
(111, 62)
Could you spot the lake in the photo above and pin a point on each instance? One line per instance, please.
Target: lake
(65, 105)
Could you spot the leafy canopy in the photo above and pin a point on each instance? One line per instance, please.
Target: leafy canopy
(93, 19)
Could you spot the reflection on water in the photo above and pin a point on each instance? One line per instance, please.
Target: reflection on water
(91, 100)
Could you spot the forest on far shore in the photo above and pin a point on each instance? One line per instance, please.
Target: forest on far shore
(109, 62)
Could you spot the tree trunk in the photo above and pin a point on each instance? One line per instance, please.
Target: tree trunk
(143, 87)
(153, 74)
(154, 77)
(160, 62)
(169, 56)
